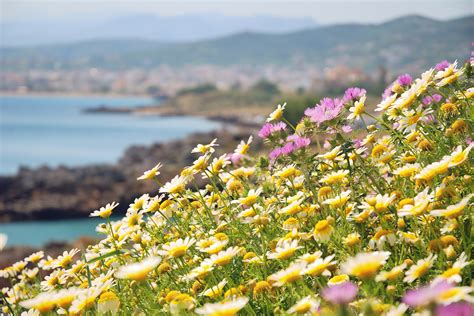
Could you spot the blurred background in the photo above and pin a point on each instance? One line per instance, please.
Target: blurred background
(93, 93)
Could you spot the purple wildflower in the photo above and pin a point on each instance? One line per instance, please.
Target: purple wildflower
(235, 157)
(287, 149)
(430, 119)
(301, 142)
(437, 97)
(427, 100)
(425, 295)
(269, 129)
(405, 80)
(346, 128)
(442, 65)
(326, 110)
(455, 309)
(342, 293)
(353, 94)
(275, 153)
(387, 92)
(357, 143)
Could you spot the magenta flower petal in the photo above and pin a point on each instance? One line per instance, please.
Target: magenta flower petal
(343, 293)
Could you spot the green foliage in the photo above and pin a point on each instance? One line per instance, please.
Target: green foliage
(199, 89)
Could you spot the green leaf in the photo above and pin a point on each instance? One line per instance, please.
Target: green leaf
(110, 254)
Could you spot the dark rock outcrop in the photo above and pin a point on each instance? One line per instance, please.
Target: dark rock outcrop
(68, 192)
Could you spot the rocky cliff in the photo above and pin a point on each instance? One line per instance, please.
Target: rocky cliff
(66, 192)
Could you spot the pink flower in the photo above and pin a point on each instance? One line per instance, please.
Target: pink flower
(442, 65)
(275, 153)
(235, 157)
(326, 110)
(405, 80)
(357, 143)
(270, 128)
(346, 129)
(342, 293)
(455, 309)
(427, 100)
(353, 94)
(425, 295)
(437, 97)
(287, 149)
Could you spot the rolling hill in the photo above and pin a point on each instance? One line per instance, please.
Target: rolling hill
(408, 43)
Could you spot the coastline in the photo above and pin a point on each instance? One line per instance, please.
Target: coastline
(72, 95)
(48, 193)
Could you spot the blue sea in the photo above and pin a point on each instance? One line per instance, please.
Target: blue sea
(37, 131)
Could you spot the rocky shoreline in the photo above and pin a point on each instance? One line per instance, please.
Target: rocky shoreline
(71, 192)
(248, 121)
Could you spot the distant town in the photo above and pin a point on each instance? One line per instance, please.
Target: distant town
(167, 81)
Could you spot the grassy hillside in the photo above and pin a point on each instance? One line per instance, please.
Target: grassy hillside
(412, 42)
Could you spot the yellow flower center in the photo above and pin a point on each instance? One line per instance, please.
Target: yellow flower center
(366, 270)
(178, 251)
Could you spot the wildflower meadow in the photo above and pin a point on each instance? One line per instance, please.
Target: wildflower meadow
(356, 210)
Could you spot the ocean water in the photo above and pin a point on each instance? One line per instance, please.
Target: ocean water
(54, 131)
(39, 233)
(36, 131)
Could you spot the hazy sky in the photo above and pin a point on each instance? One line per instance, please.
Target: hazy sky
(323, 11)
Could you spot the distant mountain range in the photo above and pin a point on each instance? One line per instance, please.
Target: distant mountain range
(408, 43)
(181, 28)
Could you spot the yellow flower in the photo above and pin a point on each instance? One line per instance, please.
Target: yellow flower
(177, 248)
(108, 303)
(453, 274)
(456, 294)
(308, 304)
(292, 208)
(43, 302)
(182, 302)
(333, 154)
(419, 269)
(215, 291)
(357, 109)
(288, 275)
(251, 197)
(276, 115)
(449, 109)
(339, 200)
(175, 186)
(335, 177)
(224, 257)
(66, 258)
(453, 211)
(291, 223)
(152, 173)
(138, 271)
(225, 308)
(104, 212)
(322, 230)
(391, 275)
(418, 206)
(352, 239)
(261, 287)
(204, 149)
(365, 265)
(407, 170)
(284, 250)
(459, 156)
(320, 266)
(337, 279)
